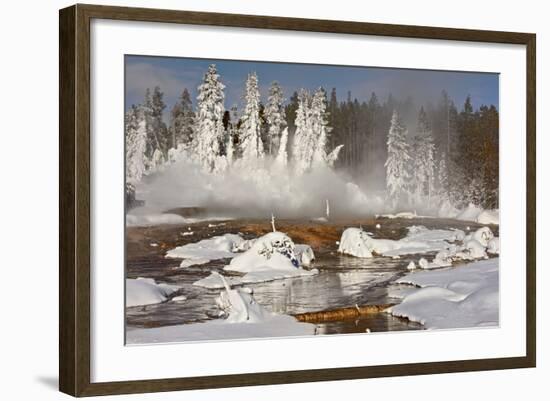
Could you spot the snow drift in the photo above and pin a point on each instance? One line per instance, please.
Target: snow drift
(462, 296)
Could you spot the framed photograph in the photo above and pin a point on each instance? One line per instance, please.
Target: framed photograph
(249, 200)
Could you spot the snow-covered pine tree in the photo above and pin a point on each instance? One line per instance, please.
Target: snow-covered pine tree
(182, 119)
(320, 128)
(250, 141)
(423, 163)
(158, 126)
(302, 145)
(209, 130)
(397, 174)
(275, 117)
(136, 139)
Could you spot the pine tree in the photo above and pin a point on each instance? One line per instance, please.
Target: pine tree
(136, 139)
(251, 146)
(182, 119)
(423, 163)
(275, 117)
(397, 174)
(319, 127)
(302, 145)
(209, 119)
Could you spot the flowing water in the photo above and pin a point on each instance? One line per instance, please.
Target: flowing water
(343, 281)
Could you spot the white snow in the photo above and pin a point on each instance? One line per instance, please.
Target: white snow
(477, 214)
(218, 247)
(145, 291)
(456, 297)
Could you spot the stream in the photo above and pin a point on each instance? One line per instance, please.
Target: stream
(343, 281)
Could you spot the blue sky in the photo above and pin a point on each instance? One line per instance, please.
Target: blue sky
(173, 74)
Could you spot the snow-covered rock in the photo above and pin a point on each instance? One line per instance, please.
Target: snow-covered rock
(473, 249)
(355, 242)
(483, 235)
(272, 251)
(145, 291)
(304, 253)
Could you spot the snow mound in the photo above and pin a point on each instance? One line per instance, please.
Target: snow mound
(272, 251)
(218, 247)
(145, 291)
(456, 297)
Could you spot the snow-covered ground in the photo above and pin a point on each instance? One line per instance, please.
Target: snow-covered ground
(242, 317)
(145, 291)
(463, 296)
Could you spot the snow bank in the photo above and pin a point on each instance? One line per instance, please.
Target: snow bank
(305, 254)
(145, 291)
(218, 247)
(456, 297)
(243, 318)
(419, 239)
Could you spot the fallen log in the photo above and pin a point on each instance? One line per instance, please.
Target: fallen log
(340, 313)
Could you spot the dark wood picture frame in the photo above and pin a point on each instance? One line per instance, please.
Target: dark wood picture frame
(74, 199)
